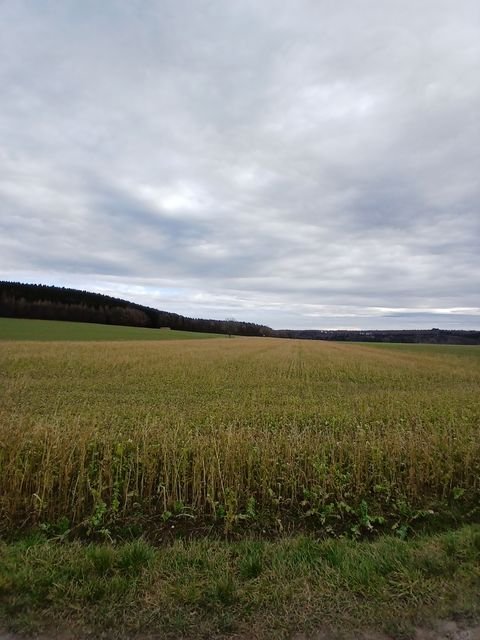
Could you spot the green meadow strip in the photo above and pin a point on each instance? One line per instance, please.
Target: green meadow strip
(265, 589)
(54, 330)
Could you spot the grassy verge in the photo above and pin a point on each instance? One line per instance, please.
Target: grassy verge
(51, 330)
(256, 588)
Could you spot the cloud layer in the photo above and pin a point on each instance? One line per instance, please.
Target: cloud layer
(303, 164)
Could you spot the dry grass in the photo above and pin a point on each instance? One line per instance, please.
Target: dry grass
(241, 431)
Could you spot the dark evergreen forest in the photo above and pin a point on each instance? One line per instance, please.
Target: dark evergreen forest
(19, 300)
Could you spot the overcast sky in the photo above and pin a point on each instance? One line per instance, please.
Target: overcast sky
(304, 164)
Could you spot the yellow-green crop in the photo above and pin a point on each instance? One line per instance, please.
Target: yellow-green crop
(243, 432)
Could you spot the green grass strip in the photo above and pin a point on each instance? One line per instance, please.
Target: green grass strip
(256, 588)
(51, 330)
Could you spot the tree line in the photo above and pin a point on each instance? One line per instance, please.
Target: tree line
(424, 336)
(44, 302)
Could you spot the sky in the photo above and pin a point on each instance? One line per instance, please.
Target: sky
(303, 164)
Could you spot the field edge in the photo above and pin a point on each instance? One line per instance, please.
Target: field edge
(249, 589)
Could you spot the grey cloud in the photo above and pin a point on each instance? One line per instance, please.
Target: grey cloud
(249, 158)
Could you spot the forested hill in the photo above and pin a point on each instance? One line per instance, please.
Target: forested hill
(18, 300)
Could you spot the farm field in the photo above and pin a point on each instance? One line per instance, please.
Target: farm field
(50, 330)
(222, 469)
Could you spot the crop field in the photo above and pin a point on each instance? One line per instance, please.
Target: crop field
(250, 434)
(48, 330)
(252, 486)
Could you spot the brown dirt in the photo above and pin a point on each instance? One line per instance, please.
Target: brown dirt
(441, 630)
